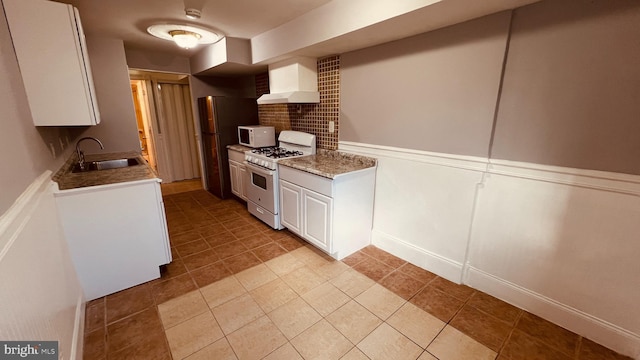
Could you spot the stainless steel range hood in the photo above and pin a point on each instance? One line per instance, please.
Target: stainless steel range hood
(292, 81)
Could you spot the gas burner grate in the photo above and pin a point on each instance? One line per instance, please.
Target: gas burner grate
(264, 150)
(277, 152)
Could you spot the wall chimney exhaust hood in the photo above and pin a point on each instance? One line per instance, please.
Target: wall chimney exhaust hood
(293, 80)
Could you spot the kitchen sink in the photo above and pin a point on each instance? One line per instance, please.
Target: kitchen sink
(105, 164)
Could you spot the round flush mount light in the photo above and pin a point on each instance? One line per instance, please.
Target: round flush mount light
(185, 36)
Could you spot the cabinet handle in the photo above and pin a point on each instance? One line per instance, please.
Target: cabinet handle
(260, 210)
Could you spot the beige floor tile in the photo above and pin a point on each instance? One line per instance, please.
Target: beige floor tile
(451, 344)
(284, 264)
(380, 301)
(285, 352)
(386, 342)
(326, 298)
(222, 291)
(416, 324)
(352, 282)
(236, 313)
(219, 350)
(354, 321)
(192, 335)
(256, 276)
(321, 341)
(256, 340)
(355, 354)
(273, 295)
(310, 257)
(426, 356)
(330, 269)
(182, 308)
(302, 280)
(294, 317)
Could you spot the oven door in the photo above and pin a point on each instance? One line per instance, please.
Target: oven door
(261, 189)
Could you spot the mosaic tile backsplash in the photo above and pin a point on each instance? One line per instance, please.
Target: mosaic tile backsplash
(310, 118)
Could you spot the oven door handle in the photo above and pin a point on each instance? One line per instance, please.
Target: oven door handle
(259, 170)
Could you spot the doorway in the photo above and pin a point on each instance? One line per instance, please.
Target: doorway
(165, 124)
(140, 104)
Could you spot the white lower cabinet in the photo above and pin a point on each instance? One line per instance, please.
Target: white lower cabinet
(335, 215)
(238, 174)
(117, 234)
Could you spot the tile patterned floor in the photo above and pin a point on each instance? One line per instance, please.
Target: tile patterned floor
(240, 290)
(177, 187)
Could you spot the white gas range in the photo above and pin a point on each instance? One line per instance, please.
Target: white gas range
(262, 165)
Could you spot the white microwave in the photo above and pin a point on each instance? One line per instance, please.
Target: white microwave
(257, 136)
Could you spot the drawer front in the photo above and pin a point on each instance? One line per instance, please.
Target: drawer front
(307, 180)
(236, 156)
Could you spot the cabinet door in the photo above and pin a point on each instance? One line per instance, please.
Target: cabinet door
(234, 173)
(243, 179)
(317, 213)
(51, 51)
(290, 206)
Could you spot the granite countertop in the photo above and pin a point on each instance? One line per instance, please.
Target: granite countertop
(330, 164)
(238, 147)
(67, 180)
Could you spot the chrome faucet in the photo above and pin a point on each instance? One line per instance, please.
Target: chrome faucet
(81, 154)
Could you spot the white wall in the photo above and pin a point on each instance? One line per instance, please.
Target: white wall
(560, 242)
(41, 297)
(25, 150)
(157, 61)
(118, 129)
(557, 241)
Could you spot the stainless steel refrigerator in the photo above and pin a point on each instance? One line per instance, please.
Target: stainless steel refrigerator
(219, 120)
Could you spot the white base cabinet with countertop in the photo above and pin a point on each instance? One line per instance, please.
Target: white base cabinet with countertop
(238, 174)
(117, 234)
(335, 215)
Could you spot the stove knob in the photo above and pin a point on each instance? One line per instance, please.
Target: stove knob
(247, 157)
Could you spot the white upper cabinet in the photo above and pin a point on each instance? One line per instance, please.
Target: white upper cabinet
(52, 55)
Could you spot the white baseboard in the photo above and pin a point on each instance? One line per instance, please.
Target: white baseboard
(598, 330)
(446, 268)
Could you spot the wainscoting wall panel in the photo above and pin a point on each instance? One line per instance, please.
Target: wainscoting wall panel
(41, 298)
(559, 242)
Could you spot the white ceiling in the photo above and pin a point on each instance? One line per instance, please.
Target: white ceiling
(129, 19)
(281, 28)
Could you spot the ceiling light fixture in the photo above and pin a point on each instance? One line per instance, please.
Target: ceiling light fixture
(185, 39)
(185, 36)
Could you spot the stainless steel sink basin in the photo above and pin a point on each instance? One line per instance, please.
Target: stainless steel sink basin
(106, 164)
